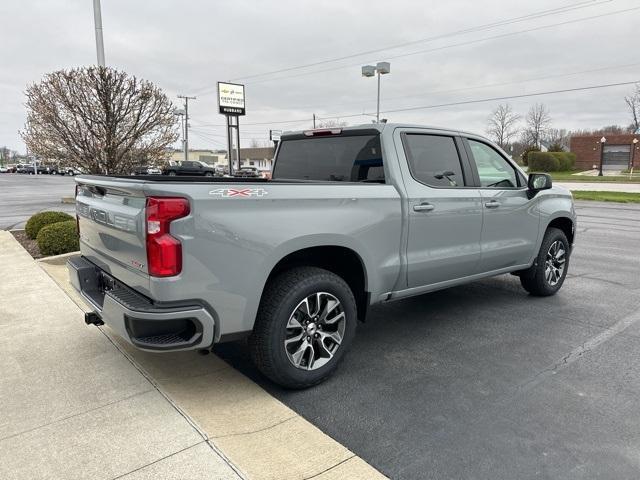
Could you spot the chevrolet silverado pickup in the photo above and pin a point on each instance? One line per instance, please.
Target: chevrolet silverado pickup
(351, 217)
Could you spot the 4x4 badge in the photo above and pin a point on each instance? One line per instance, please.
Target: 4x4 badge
(239, 192)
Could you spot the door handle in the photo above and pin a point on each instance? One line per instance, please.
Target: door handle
(492, 204)
(423, 207)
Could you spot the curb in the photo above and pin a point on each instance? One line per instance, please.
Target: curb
(68, 200)
(249, 428)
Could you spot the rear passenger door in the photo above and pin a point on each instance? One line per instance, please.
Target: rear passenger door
(444, 208)
(511, 219)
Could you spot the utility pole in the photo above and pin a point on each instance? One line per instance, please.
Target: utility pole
(97, 20)
(186, 99)
(314, 120)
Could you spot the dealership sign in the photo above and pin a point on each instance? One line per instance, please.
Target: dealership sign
(231, 99)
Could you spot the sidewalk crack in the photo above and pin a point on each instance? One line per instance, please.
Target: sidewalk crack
(330, 468)
(256, 431)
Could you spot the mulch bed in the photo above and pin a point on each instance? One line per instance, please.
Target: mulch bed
(29, 245)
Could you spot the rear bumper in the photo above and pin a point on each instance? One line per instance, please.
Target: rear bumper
(143, 323)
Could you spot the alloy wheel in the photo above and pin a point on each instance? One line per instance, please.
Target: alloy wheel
(315, 330)
(555, 263)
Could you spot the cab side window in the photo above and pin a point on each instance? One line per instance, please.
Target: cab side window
(434, 160)
(493, 169)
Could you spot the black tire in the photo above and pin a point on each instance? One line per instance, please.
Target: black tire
(281, 297)
(208, 174)
(534, 279)
(171, 173)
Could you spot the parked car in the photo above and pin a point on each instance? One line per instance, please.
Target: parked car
(189, 167)
(69, 171)
(248, 172)
(4, 169)
(24, 168)
(352, 217)
(11, 167)
(44, 169)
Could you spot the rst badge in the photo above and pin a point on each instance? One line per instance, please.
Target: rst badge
(239, 192)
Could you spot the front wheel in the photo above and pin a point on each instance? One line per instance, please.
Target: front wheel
(547, 274)
(305, 324)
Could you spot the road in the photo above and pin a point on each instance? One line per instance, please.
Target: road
(483, 381)
(23, 195)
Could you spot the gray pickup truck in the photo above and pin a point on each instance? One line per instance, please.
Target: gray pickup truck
(351, 217)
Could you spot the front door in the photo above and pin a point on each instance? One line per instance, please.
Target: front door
(511, 220)
(444, 209)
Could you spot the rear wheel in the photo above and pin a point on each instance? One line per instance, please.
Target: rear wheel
(305, 324)
(172, 173)
(547, 274)
(208, 174)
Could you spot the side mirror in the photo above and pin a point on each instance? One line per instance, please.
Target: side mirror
(539, 181)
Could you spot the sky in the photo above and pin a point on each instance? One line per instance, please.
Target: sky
(440, 53)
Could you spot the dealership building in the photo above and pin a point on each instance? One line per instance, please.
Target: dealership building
(619, 152)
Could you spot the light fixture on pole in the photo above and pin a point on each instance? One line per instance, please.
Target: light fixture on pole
(381, 68)
(603, 140)
(634, 146)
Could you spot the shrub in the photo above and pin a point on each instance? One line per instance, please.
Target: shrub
(42, 219)
(543, 162)
(58, 238)
(566, 160)
(525, 154)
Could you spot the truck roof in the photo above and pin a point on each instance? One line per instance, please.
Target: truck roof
(381, 127)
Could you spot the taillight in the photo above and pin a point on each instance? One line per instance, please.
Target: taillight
(164, 252)
(321, 132)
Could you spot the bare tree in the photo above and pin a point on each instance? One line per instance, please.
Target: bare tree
(99, 119)
(502, 125)
(538, 124)
(633, 102)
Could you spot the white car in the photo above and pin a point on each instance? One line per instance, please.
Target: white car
(4, 170)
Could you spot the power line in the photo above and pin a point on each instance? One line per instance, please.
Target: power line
(451, 104)
(510, 97)
(454, 45)
(206, 138)
(475, 87)
(487, 26)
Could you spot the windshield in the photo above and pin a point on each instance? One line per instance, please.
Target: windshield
(344, 158)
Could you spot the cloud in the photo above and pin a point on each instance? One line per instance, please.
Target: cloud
(185, 47)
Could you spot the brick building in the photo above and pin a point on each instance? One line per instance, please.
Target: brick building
(620, 152)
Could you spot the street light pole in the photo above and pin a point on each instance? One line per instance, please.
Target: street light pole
(634, 145)
(378, 102)
(381, 68)
(603, 140)
(97, 20)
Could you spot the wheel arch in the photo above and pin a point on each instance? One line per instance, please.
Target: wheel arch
(339, 259)
(566, 225)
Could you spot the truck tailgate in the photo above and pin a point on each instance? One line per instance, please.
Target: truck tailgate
(111, 218)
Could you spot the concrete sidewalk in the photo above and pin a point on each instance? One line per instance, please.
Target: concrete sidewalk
(71, 405)
(601, 186)
(78, 402)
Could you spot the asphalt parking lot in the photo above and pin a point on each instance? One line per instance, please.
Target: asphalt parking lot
(23, 195)
(485, 382)
(479, 381)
